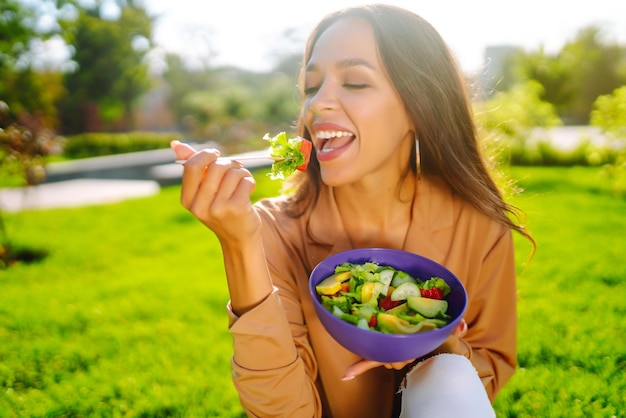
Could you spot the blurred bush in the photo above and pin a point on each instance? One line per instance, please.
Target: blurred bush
(23, 149)
(609, 114)
(22, 160)
(100, 144)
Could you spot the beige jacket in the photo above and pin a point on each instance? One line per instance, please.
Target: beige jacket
(286, 365)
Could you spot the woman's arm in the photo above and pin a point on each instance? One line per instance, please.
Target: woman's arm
(274, 369)
(218, 194)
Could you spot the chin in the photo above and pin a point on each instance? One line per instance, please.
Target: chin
(334, 178)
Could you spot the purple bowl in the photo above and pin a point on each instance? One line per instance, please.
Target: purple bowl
(377, 346)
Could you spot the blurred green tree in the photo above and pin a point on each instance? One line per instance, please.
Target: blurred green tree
(31, 92)
(111, 70)
(585, 68)
(183, 81)
(15, 36)
(229, 105)
(600, 67)
(609, 114)
(553, 74)
(507, 119)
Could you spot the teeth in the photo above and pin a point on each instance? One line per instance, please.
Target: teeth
(331, 134)
(327, 135)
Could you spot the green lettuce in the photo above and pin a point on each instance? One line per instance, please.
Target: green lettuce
(439, 283)
(289, 150)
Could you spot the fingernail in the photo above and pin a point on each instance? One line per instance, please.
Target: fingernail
(347, 378)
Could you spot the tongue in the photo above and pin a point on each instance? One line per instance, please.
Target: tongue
(338, 142)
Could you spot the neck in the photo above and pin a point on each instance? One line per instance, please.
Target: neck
(374, 216)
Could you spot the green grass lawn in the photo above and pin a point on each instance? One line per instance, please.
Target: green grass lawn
(572, 349)
(126, 317)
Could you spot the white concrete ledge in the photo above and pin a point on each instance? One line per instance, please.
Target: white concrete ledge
(74, 193)
(146, 165)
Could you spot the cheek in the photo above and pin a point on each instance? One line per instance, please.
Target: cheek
(368, 112)
(397, 116)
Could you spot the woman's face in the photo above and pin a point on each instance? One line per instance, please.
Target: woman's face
(358, 123)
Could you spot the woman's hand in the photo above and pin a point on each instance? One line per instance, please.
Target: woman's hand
(362, 366)
(217, 193)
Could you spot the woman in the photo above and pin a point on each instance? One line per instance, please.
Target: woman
(377, 80)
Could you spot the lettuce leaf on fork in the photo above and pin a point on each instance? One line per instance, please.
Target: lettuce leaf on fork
(294, 154)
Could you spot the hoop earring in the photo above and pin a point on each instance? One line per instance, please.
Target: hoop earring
(418, 157)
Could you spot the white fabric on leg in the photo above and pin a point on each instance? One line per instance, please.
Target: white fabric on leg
(446, 385)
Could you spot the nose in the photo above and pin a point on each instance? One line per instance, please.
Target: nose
(323, 99)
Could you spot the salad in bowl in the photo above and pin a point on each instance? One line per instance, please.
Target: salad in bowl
(387, 305)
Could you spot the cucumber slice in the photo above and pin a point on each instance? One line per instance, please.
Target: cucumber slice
(385, 278)
(402, 277)
(400, 309)
(405, 290)
(430, 308)
(362, 323)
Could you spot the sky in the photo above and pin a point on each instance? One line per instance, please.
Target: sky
(248, 33)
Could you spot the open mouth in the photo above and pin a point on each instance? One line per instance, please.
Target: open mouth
(329, 141)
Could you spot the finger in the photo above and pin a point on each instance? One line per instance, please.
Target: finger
(358, 368)
(214, 176)
(399, 365)
(244, 191)
(182, 151)
(194, 175)
(212, 190)
(237, 185)
(461, 329)
(229, 200)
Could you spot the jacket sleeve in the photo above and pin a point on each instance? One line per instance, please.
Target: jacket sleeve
(490, 343)
(274, 369)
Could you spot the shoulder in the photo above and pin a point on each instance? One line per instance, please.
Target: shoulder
(277, 223)
(440, 201)
(274, 209)
(451, 218)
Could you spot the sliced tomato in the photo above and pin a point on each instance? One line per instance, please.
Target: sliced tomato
(434, 293)
(305, 148)
(373, 322)
(386, 303)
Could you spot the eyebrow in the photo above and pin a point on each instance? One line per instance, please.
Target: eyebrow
(345, 63)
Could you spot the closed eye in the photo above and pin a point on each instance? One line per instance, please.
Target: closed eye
(352, 86)
(311, 90)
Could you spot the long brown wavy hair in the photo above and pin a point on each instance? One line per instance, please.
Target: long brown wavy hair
(435, 94)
